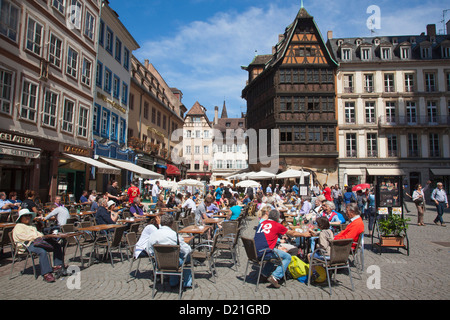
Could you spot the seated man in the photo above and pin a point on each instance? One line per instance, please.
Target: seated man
(103, 215)
(166, 235)
(61, 214)
(212, 208)
(266, 237)
(84, 198)
(356, 226)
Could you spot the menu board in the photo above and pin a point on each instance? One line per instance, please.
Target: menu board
(389, 192)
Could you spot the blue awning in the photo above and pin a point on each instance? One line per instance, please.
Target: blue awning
(161, 166)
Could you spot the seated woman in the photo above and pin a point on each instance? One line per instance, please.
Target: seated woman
(235, 209)
(331, 214)
(136, 207)
(25, 233)
(211, 209)
(323, 242)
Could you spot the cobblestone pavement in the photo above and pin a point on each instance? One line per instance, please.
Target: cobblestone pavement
(421, 275)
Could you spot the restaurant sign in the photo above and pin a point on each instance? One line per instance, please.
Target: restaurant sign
(12, 150)
(16, 139)
(76, 150)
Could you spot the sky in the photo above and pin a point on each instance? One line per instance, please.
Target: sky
(199, 46)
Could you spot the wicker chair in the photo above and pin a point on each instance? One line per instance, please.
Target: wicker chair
(17, 255)
(115, 243)
(358, 251)
(250, 249)
(167, 262)
(4, 236)
(339, 259)
(206, 251)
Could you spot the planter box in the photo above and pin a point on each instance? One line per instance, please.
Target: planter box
(392, 241)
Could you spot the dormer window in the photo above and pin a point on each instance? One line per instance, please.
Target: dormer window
(413, 40)
(358, 42)
(394, 41)
(425, 52)
(446, 52)
(346, 54)
(366, 54)
(376, 41)
(386, 53)
(405, 53)
(340, 42)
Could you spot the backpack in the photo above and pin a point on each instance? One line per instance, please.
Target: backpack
(297, 268)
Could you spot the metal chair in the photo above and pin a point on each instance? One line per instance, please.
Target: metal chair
(228, 239)
(111, 244)
(4, 237)
(72, 241)
(250, 249)
(130, 247)
(206, 251)
(358, 251)
(25, 255)
(339, 259)
(167, 262)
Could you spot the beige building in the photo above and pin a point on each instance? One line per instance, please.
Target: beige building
(197, 143)
(393, 97)
(156, 111)
(47, 61)
(230, 150)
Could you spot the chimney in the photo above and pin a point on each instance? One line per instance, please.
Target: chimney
(330, 35)
(216, 115)
(146, 63)
(431, 30)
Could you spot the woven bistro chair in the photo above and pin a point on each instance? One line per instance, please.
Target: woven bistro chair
(167, 262)
(115, 243)
(25, 255)
(250, 249)
(206, 251)
(338, 259)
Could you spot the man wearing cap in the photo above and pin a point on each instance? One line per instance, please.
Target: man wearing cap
(24, 234)
(103, 216)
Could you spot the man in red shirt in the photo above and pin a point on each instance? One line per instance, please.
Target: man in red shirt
(356, 226)
(327, 192)
(266, 238)
(133, 192)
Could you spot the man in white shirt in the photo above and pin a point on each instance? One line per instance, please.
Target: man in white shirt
(189, 203)
(61, 213)
(165, 235)
(155, 192)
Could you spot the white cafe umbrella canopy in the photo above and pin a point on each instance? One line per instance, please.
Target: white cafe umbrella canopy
(162, 183)
(291, 173)
(218, 182)
(190, 182)
(248, 184)
(261, 175)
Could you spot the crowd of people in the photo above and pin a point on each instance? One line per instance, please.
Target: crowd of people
(322, 207)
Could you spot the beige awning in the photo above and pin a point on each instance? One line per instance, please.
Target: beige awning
(19, 151)
(145, 173)
(441, 172)
(386, 172)
(101, 167)
(353, 172)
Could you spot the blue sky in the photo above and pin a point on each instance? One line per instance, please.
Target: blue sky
(199, 46)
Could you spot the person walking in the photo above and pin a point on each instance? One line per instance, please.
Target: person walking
(419, 199)
(439, 196)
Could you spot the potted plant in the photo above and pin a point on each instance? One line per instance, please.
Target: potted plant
(393, 230)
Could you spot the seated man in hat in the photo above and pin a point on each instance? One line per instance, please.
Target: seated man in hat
(25, 233)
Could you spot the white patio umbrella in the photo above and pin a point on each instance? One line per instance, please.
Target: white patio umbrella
(218, 182)
(162, 183)
(291, 173)
(261, 175)
(190, 182)
(248, 184)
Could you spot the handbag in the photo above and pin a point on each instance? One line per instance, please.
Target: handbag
(42, 243)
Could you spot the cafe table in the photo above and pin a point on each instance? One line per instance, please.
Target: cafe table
(197, 231)
(7, 224)
(99, 228)
(64, 236)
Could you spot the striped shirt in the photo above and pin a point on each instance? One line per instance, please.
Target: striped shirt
(439, 195)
